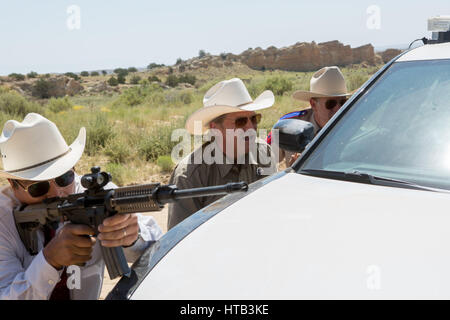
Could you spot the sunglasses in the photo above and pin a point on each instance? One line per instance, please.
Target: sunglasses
(41, 188)
(331, 103)
(242, 122)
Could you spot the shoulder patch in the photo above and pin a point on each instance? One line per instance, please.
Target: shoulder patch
(294, 114)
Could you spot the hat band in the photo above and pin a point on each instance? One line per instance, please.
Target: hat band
(40, 164)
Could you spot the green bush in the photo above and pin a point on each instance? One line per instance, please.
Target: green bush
(113, 82)
(154, 65)
(41, 89)
(32, 75)
(72, 75)
(118, 150)
(121, 78)
(132, 69)
(94, 74)
(201, 53)
(135, 79)
(17, 76)
(99, 132)
(165, 163)
(13, 103)
(118, 172)
(153, 78)
(84, 74)
(119, 71)
(187, 78)
(172, 80)
(278, 85)
(104, 72)
(59, 104)
(157, 143)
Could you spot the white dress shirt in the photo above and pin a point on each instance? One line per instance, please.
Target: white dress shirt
(23, 276)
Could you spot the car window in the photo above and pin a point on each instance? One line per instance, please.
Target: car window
(399, 129)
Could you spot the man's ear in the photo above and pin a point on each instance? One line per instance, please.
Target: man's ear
(313, 103)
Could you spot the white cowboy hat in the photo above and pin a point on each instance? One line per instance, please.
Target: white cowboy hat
(226, 97)
(35, 150)
(327, 82)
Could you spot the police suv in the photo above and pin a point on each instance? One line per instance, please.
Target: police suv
(364, 212)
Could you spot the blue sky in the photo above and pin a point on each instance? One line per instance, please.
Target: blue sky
(34, 34)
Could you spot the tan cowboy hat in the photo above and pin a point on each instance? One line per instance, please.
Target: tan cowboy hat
(327, 82)
(226, 97)
(34, 149)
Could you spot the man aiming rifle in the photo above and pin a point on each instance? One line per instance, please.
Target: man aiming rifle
(39, 165)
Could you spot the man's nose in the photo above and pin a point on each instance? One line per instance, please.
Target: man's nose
(249, 125)
(55, 191)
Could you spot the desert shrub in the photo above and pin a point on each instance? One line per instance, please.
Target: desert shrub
(104, 72)
(41, 89)
(278, 85)
(201, 53)
(156, 143)
(135, 79)
(118, 172)
(132, 69)
(118, 150)
(172, 80)
(223, 55)
(72, 75)
(99, 132)
(32, 75)
(153, 78)
(179, 61)
(94, 73)
(187, 78)
(165, 163)
(119, 71)
(13, 103)
(84, 73)
(154, 65)
(113, 81)
(121, 78)
(59, 104)
(17, 76)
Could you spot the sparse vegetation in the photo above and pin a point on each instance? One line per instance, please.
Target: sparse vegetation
(17, 76)
(129, 133)
(72, 75)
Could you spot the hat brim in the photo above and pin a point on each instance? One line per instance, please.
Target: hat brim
(307, 95)
(55, 168)
(205, 115)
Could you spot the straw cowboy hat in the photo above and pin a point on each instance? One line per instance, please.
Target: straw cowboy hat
(226, 97)
(327, 82)
(34, 149)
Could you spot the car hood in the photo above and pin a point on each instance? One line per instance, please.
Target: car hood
(306, 237)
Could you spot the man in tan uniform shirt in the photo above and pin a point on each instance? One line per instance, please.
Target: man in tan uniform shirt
(227, 107)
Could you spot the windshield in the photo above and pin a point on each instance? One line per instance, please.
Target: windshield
(399, 129)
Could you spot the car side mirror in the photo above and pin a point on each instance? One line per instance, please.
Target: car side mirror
(294, 135)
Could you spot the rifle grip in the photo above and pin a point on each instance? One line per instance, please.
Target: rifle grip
(115, 262)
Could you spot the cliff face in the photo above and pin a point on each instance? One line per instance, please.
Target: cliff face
(307, 56)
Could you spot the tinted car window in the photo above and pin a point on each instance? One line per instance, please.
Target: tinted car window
(399, 129)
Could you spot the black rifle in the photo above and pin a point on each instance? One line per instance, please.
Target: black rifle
(96, 204)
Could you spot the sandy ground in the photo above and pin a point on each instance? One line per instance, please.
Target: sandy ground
(161, 218)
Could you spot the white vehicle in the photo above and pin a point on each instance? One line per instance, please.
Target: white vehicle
(364, 213)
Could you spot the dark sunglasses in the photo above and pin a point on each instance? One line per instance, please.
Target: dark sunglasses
(242, 122)
(331, 103)
(40, 188)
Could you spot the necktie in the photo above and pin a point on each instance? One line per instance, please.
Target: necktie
(60, 292)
